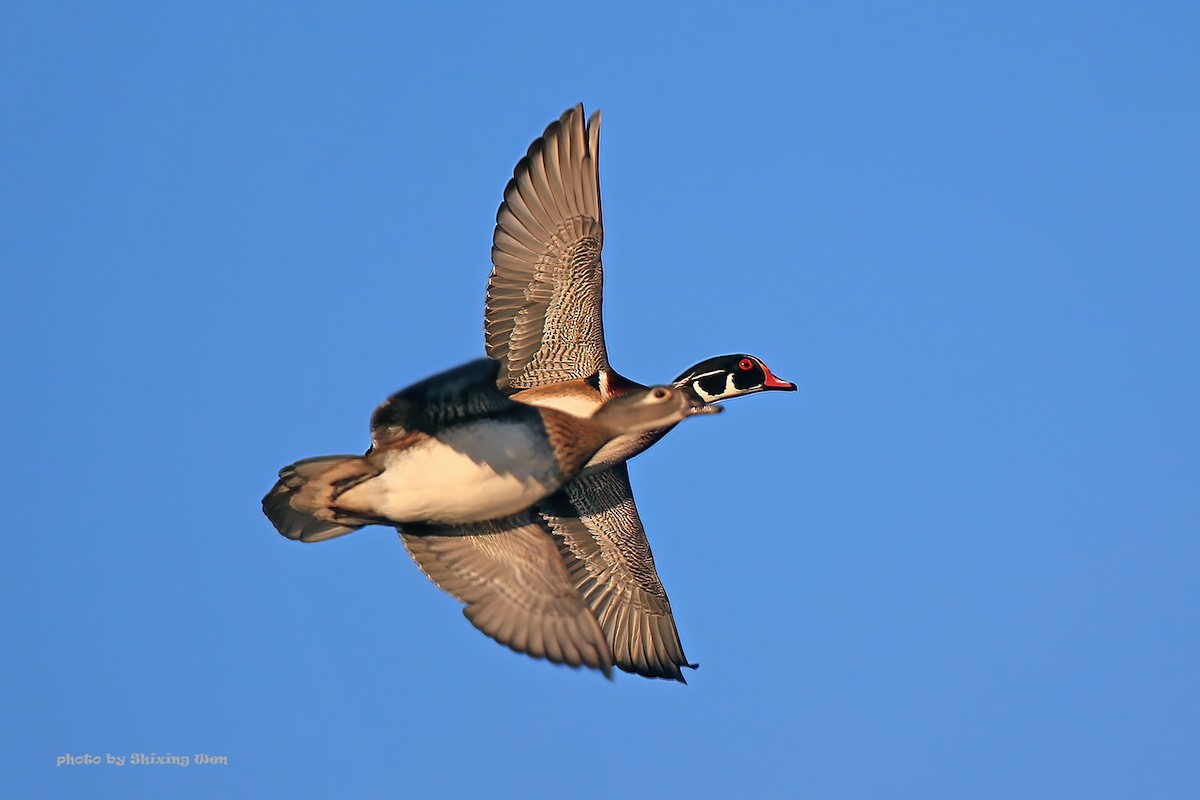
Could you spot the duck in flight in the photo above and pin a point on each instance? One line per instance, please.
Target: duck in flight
(583, 547)
(454, 449)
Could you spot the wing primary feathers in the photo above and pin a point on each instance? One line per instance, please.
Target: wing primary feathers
(544, 311)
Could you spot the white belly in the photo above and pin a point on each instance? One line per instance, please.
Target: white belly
(467, 474)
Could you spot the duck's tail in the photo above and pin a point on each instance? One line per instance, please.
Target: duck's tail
(301, 504)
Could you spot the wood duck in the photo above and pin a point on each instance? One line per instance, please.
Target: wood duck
(453, 449)
(543, 324)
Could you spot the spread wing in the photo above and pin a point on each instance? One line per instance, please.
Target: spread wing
(543, 315)
(604, 547)
(516, 590)
(465, 392)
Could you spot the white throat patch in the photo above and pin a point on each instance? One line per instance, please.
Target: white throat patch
(730, 389)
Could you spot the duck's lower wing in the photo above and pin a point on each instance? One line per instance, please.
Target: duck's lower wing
(515, 587)
(604, 547)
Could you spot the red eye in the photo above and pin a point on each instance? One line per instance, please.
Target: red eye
(745, 365)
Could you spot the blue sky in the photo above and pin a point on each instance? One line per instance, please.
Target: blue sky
(959, 562)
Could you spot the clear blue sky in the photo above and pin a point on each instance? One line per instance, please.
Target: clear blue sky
(961, 562)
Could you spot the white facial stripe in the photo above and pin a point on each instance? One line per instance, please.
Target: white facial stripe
(731, 390)
(694, 380)
(705, 396)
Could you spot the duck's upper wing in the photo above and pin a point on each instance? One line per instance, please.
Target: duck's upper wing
(516, 590)
(464, 392)
(543, 315)
(604, 547)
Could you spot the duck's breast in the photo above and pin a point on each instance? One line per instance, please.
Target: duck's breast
(582, 399)
(467, 473)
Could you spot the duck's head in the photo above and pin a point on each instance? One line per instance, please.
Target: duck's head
(723, 377)
(651, 408)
